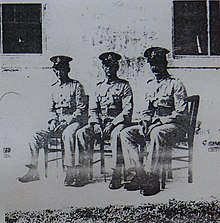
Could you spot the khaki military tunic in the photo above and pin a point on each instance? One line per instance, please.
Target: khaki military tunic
(68, 107)
(166, 117)
(112, 103)
(68, 100)
(165, 98)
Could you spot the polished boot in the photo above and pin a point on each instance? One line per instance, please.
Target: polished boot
(70, 176)
(134, 178)
(81, 178)
(116, 181)
(151, 186)
(32, 174)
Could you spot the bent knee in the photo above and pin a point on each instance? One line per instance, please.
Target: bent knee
(116, 131)
(70, 130)
(125, 133)
(156, 133)
(80, 132)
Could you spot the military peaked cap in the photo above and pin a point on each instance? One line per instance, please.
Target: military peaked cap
(156, 53)
(60, 62)
(109, 58)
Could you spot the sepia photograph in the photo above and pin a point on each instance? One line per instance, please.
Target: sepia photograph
(109, 111)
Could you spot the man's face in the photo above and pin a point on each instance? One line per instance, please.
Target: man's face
(109, 69)
(157, 68)
(59, 73)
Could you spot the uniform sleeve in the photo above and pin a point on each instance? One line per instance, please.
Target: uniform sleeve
(180, 104)
(52, 115)
(80, 101)
(127, 106)
(148, 112)
(93, 111)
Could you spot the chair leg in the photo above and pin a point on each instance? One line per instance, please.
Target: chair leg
(46, 161)
(170, 173)
(163, 177)
(166, 159)
(90, 164)
(190, 177)
(91, 169)
(63, 166)
(63, 155)
(57, 157)
(169, 163)
(102, 158)
(90, 159)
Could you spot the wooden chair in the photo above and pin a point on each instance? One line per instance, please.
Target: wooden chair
(186, 144)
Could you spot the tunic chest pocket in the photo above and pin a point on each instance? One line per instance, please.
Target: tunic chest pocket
(116, 99)
(117, 102)
(72, 102)
(115, 107)
(166, 100)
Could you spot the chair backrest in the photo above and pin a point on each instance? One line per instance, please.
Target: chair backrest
(86, 112)
(193, 106)
(54, 142)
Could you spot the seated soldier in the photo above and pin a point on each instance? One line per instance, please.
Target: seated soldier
(111, 111)
(164, 123)
(68, 115)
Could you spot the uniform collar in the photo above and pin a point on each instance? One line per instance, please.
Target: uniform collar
(162, 79)
(108, 81)
(57, 83)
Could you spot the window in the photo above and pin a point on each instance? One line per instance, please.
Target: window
(21, 28)
(196, 27)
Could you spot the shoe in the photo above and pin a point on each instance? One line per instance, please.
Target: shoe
(151, 186)
(70, 176)
(116, 181)
(80, 182)
(32, 174)
(134, 179)
(81, 178)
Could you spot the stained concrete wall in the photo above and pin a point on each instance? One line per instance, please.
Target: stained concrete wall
(83, 30)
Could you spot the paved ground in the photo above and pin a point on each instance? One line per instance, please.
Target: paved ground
(51, 193)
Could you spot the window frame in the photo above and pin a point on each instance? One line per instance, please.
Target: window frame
(190, 56)
(43, 33)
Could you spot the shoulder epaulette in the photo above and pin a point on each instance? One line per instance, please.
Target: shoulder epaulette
(172, 77)
(150, 80)
(100, 82)
(122, 80)
(54, 83)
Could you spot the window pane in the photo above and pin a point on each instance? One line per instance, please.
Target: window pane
(21, 12)
(22, 29)
(22, 38)
(8, 14)
(190, 28)
(28, 13)
(214, 28)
